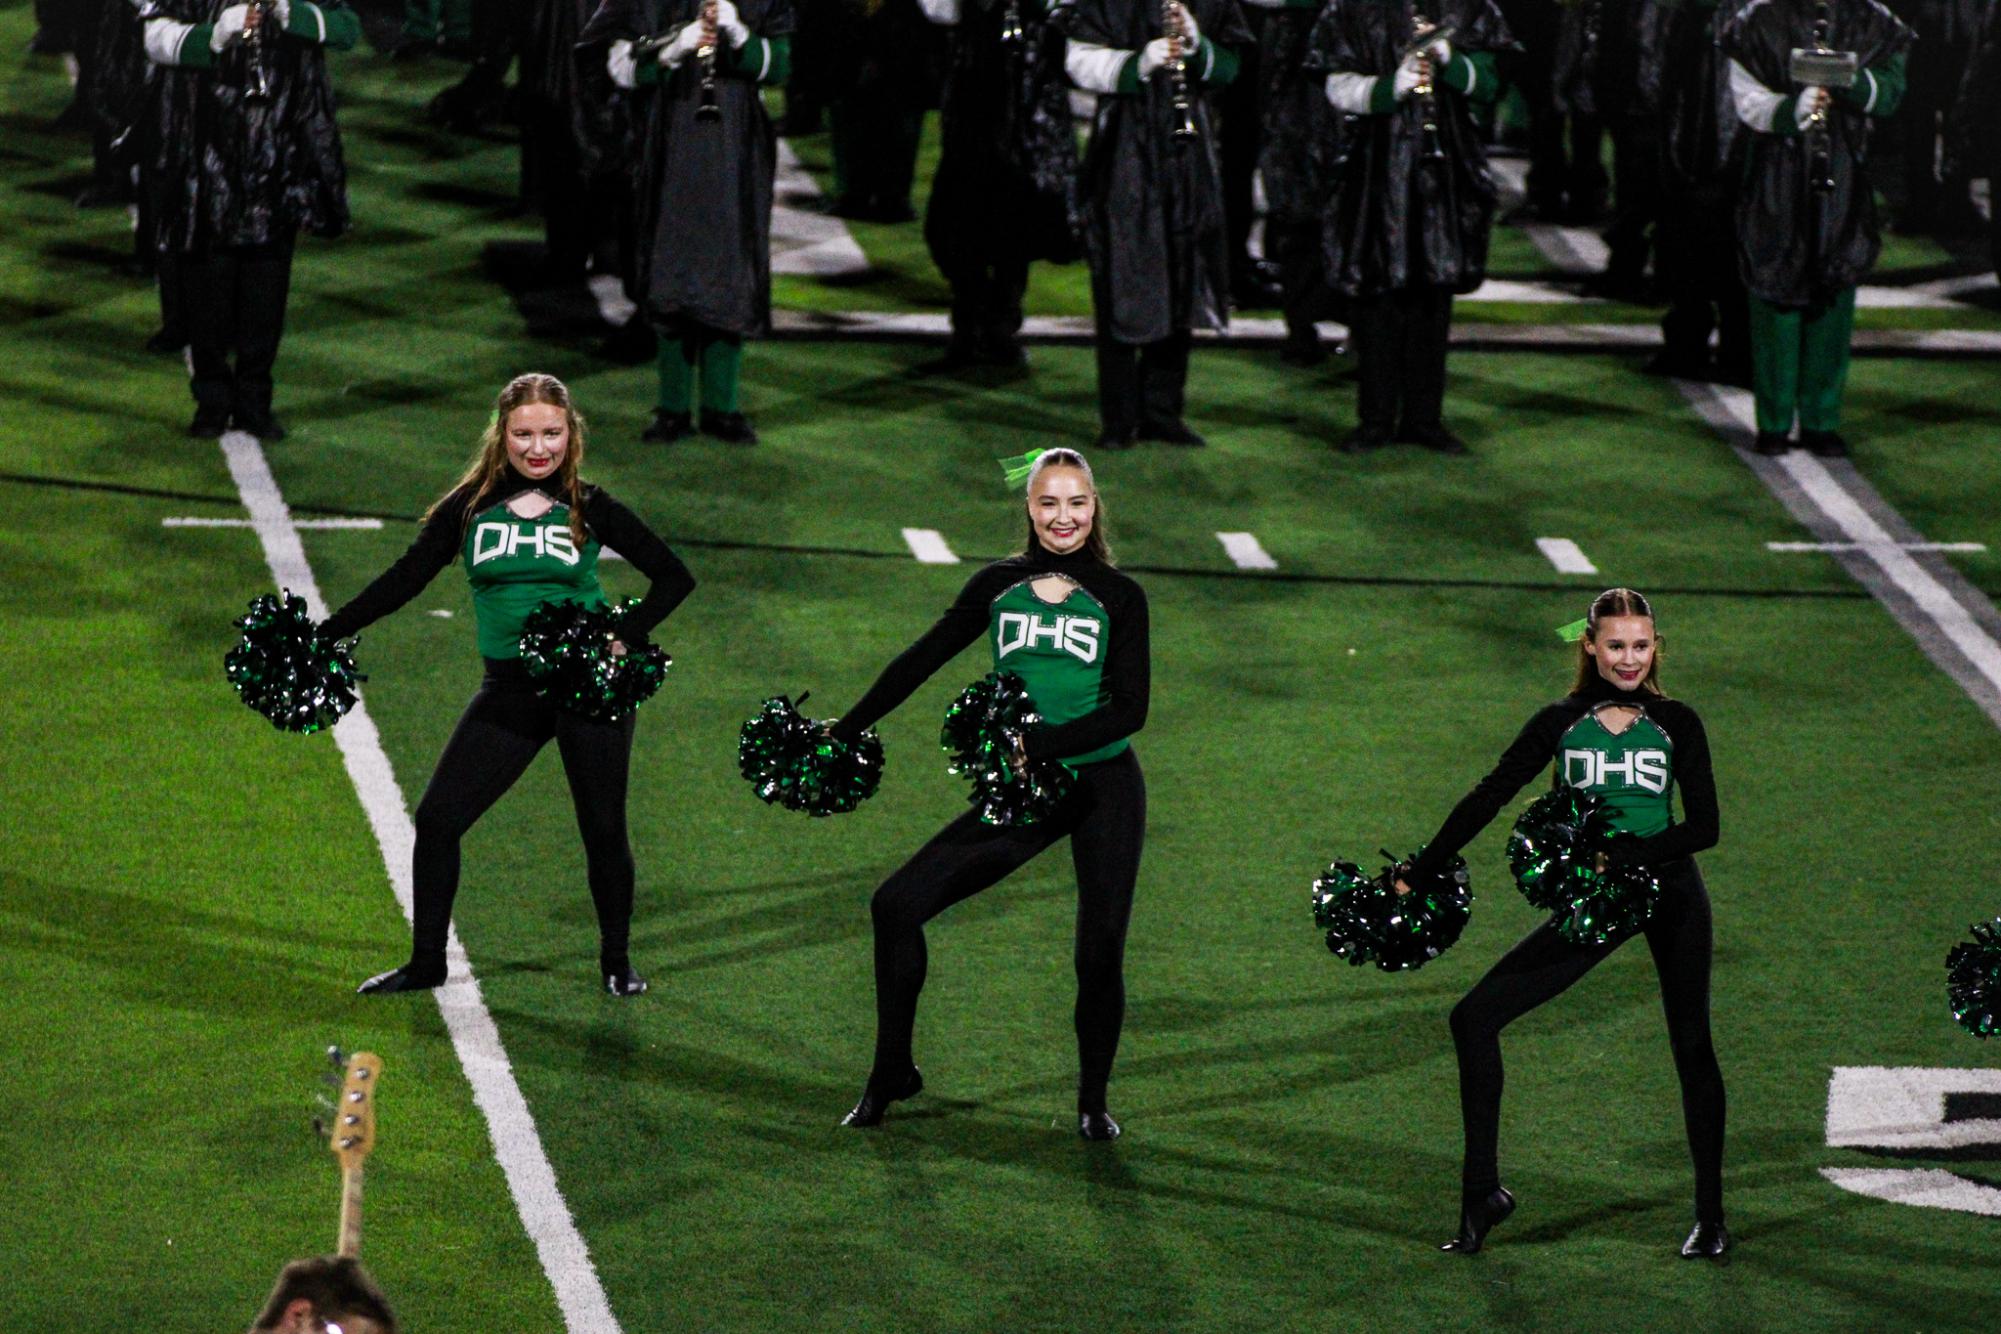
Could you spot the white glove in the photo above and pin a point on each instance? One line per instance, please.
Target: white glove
(731, 25)
(1441, 53)
(228, 27)
(1407, 75)
(684, 45)
(1191, 36)
(1803, 109)
(1153, 56)
(281, 13)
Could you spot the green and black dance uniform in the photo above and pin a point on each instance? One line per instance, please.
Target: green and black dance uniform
(1636, 771)
(515, 565)
(1085, 661)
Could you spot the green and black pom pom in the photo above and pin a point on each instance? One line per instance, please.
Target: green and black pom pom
(1367, 921)
(1973, 980)
(1553, 853)
(792, 762)
(285, 670)
(982, 727)
(566, 647)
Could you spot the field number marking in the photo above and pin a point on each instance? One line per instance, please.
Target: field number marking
(929, 546)
(1909, 1109)
(1565, 555)
(1246, 551)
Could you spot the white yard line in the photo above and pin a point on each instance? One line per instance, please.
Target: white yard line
(804, 239)
(929, 546)
(1246, 551)
(1952, 621)
(303, 525)
(1857, 546)
(475, 1037)
(1565, 555)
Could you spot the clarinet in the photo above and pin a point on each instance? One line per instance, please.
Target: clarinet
(1427, 98)
(257, 81)
(705, 54)
(1177, 73)
(1820, 171)
(1012, 34)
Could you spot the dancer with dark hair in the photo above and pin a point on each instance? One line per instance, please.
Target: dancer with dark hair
(1617, 735)
(530, 531)
(1075, 629)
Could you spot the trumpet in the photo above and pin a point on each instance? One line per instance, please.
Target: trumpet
(257, 80)
(705, 55)
(1177, 72)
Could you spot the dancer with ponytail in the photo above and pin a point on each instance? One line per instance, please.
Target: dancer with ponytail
(530, 531)
(1618, 735)
(1075, 629)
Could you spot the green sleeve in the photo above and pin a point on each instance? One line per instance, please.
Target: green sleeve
(762, 59)
(1472, 73)
(1884, 83)
(1129, 77)
(1383, 97)
(334, 26)
(1219, 64)
(649, 73)
(195, 52)
(1786, 120)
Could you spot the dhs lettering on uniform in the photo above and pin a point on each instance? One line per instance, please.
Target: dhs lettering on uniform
(1075, 635)
(490, 541)
(1637, 768)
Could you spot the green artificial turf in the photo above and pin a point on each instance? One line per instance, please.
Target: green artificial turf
(190, 896)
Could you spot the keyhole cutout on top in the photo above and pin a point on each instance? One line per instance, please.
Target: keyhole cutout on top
(1616, 718)
(530, 505)
(1053, 589)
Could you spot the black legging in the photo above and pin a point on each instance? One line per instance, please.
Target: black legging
(1105, 817)
(503, 728)
(1541, 967)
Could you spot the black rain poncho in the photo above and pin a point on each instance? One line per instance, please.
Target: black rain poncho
(701, 189)
(1395, 220)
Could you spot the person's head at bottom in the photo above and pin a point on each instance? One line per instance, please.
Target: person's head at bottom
(323, 1294)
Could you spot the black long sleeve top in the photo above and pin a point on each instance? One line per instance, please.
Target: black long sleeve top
(1535, 747)
(1124, 685)
(443, 536)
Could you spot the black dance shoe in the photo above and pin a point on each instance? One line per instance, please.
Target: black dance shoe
(1706, 1241)
(623, 982)
(877, 1097)
(1479, 1215)
(1175, 432)
(1771, 444)
(732, 428)
(668, 427)
(1097, 1125)
(412, 976)
(1824, 444)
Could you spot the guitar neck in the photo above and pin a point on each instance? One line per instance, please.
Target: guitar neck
(350, 1212)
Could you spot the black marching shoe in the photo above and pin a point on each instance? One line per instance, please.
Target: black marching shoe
(1823, 444)
(261, 424)
(1706, 1241)
(1110, 439)
(1172, 433)
(877, 1097)
(732, 428)
(668, 427)
(1771, 444)
(1479, 1215)
(1098, 1126)
(412, 976)
(1364, 440)
(623, 981)
(209, 423)
(1438, 438)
